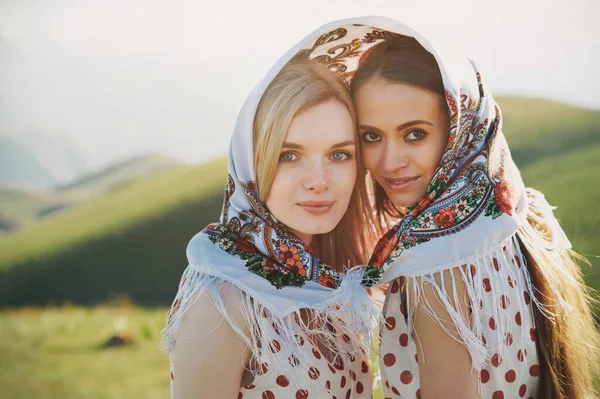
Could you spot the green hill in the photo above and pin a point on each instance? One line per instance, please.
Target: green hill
(132, 241)
(23, 206)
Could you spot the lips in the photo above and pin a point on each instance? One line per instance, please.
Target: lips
(316, 207)
(400, 183)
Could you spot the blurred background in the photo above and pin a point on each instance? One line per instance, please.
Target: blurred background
(115, 118)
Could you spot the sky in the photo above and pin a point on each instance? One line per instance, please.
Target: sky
(117, 78)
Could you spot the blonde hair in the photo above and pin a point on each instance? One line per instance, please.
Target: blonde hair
(300, 85)
(568, 343)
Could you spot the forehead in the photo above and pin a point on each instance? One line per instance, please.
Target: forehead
(379, 100)
(327, 123)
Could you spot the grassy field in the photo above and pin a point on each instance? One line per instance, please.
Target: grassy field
(56, 353)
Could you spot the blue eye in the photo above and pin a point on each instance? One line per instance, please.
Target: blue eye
(340, 156)
(370, 137)
(287, 157)
(415, 135)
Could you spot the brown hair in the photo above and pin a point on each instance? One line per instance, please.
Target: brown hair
(568, 343)
(300, 85)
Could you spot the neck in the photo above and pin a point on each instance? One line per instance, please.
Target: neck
(306, 238)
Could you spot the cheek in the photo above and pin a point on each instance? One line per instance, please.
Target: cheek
(370, 155)
(344, 178)
(280, 187)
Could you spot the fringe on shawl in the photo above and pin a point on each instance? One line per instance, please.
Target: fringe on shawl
(348, 310)
(502, 271)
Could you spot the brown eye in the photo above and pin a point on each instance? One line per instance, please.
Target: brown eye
(370, 137)
(415, 135)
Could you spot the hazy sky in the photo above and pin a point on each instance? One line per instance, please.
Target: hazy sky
(120, 77)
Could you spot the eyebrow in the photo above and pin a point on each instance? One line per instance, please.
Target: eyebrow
(402, 126)
(295, 146)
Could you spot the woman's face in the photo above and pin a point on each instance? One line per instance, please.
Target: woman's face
(403, 131)
(316, 172)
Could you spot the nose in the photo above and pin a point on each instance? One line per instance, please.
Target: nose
(316, 179)
(394, 158)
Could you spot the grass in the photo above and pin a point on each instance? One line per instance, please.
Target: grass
(55, 354)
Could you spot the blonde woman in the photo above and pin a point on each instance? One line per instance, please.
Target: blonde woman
(259, 313)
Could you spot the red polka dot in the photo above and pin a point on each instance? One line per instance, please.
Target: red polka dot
(473, 270)
(316, 353)
(282, 381)
(364, 367)
(487, 286)
(511, 282)
(331, 368)
(293, 361)
(353, 375)
(389, 359)
(314, 373)
(348, 393)
(532, 334)
(527, 297)
(485, 376)
(518, 318)
(395, 287)
(328, 385)
(492, 323)
(262, 369)
(240, 395)
(404, 340)
(346, 338)
(352, 358)
(496, 264)
(251, 386)
(299, 340)
(274, 346)
(275, 328)
(418, 394)
(518, 261)
(396, 392)
(498, 395)
(390, 323)
(343, 381)
(522, 390)
(359, 387)
(534, 370)
(302, 394)
(268, 395)
(496, 360)
(508, 339)
(172, 376)
(510, 376)
(406, 377)
(521, 354)
(504, 302)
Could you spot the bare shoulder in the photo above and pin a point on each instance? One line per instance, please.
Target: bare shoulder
(209, 356)
(447, 369)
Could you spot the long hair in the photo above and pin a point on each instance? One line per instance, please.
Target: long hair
(568, 342)
(300, 85)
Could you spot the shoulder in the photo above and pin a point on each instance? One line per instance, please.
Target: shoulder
(214, 311)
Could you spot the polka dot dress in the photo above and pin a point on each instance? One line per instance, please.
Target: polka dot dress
(513, 375)
(336, 380)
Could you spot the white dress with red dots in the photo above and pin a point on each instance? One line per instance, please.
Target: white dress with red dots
(502, 323)
(340, 379)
